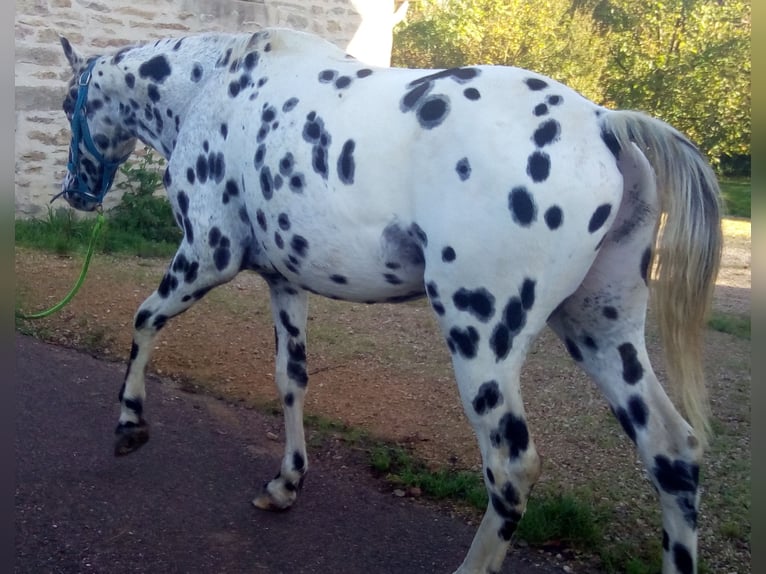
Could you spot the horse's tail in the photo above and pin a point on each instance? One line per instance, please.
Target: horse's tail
(688, 243)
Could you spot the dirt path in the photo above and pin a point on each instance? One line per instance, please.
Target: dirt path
(182, 503)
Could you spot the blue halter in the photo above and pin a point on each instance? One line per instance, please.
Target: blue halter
(81, 132)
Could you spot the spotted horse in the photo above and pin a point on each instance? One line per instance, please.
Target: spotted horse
(506, 198)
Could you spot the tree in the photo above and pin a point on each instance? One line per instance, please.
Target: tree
(548, 36)
(685, 61)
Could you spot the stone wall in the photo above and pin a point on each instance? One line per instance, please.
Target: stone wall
(362, 27)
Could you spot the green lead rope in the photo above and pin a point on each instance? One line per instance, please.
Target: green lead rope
(80, 280)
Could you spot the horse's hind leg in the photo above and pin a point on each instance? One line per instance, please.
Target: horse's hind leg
(602, 326)
(187, 279)
(289, 307)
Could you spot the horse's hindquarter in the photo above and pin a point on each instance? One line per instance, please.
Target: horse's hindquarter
(375, 170)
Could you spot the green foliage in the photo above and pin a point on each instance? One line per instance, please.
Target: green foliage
(737, 325)
(568, 518)
(684, 61)
(736, 197)
(143, 223)
(60, 232)
(549, 37)
(140, 211)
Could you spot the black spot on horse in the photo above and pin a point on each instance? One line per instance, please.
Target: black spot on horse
(682, 558)
(300, 245)
(639, 413)
(646, 259)
(536, 84)
(540, 110)
(141, 318)
(251, 60)
(625, 421)
(611, 142)
(339, 279)
(413, 97)
(153, 92)
(448, 254)
(500, 342)
(513, 430)
(472, 94)
(632, 371)
(463, 169)
(676, 477)
(299, 463)
(554, 100)
(573, 349)
(202, 168)
(459, 75)
(507, 529)
(553, 217)
(291, 329)
(168, 284)
(319, 160)
(546, 133)
(363, 73)
(286, 164)
(514, 315)
(343, 82)
(522, 206)
(156, 68)
(130, 80)
(599, 217)
(487, 397)
(327, 76)
(284, 221)
(346, 164)
(289, 104)
(260, 154)
(528, 293)
(278, 240)
(260, 217)
(610, 312)
(297, 183)
(196, 73)
(392, 279)
(267, 183)
(465, 341)
(433, 111)
(159, 321)
(222, 256)
(230, 190)
(214, 236)
(479, 303)
(539, 166)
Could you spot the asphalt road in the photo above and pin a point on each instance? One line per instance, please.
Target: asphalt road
(181, 504)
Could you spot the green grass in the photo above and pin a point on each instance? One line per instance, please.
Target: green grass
(736, 197)
(64, 233)
(737, 325)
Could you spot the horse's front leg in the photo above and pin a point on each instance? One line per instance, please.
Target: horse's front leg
(289, 307)
(186, 281)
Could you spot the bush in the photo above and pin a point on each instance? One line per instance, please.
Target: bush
(141, 212)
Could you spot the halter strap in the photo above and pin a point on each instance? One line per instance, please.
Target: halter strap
(81, 132)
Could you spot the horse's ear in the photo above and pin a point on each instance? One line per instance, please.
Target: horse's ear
(72, 57)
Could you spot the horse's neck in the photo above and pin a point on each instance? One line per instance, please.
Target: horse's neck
(154, 105)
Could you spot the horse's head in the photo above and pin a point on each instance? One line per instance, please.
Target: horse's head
(100, 142)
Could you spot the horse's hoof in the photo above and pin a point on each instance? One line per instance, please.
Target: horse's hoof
(265, 501)
(130, 437)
